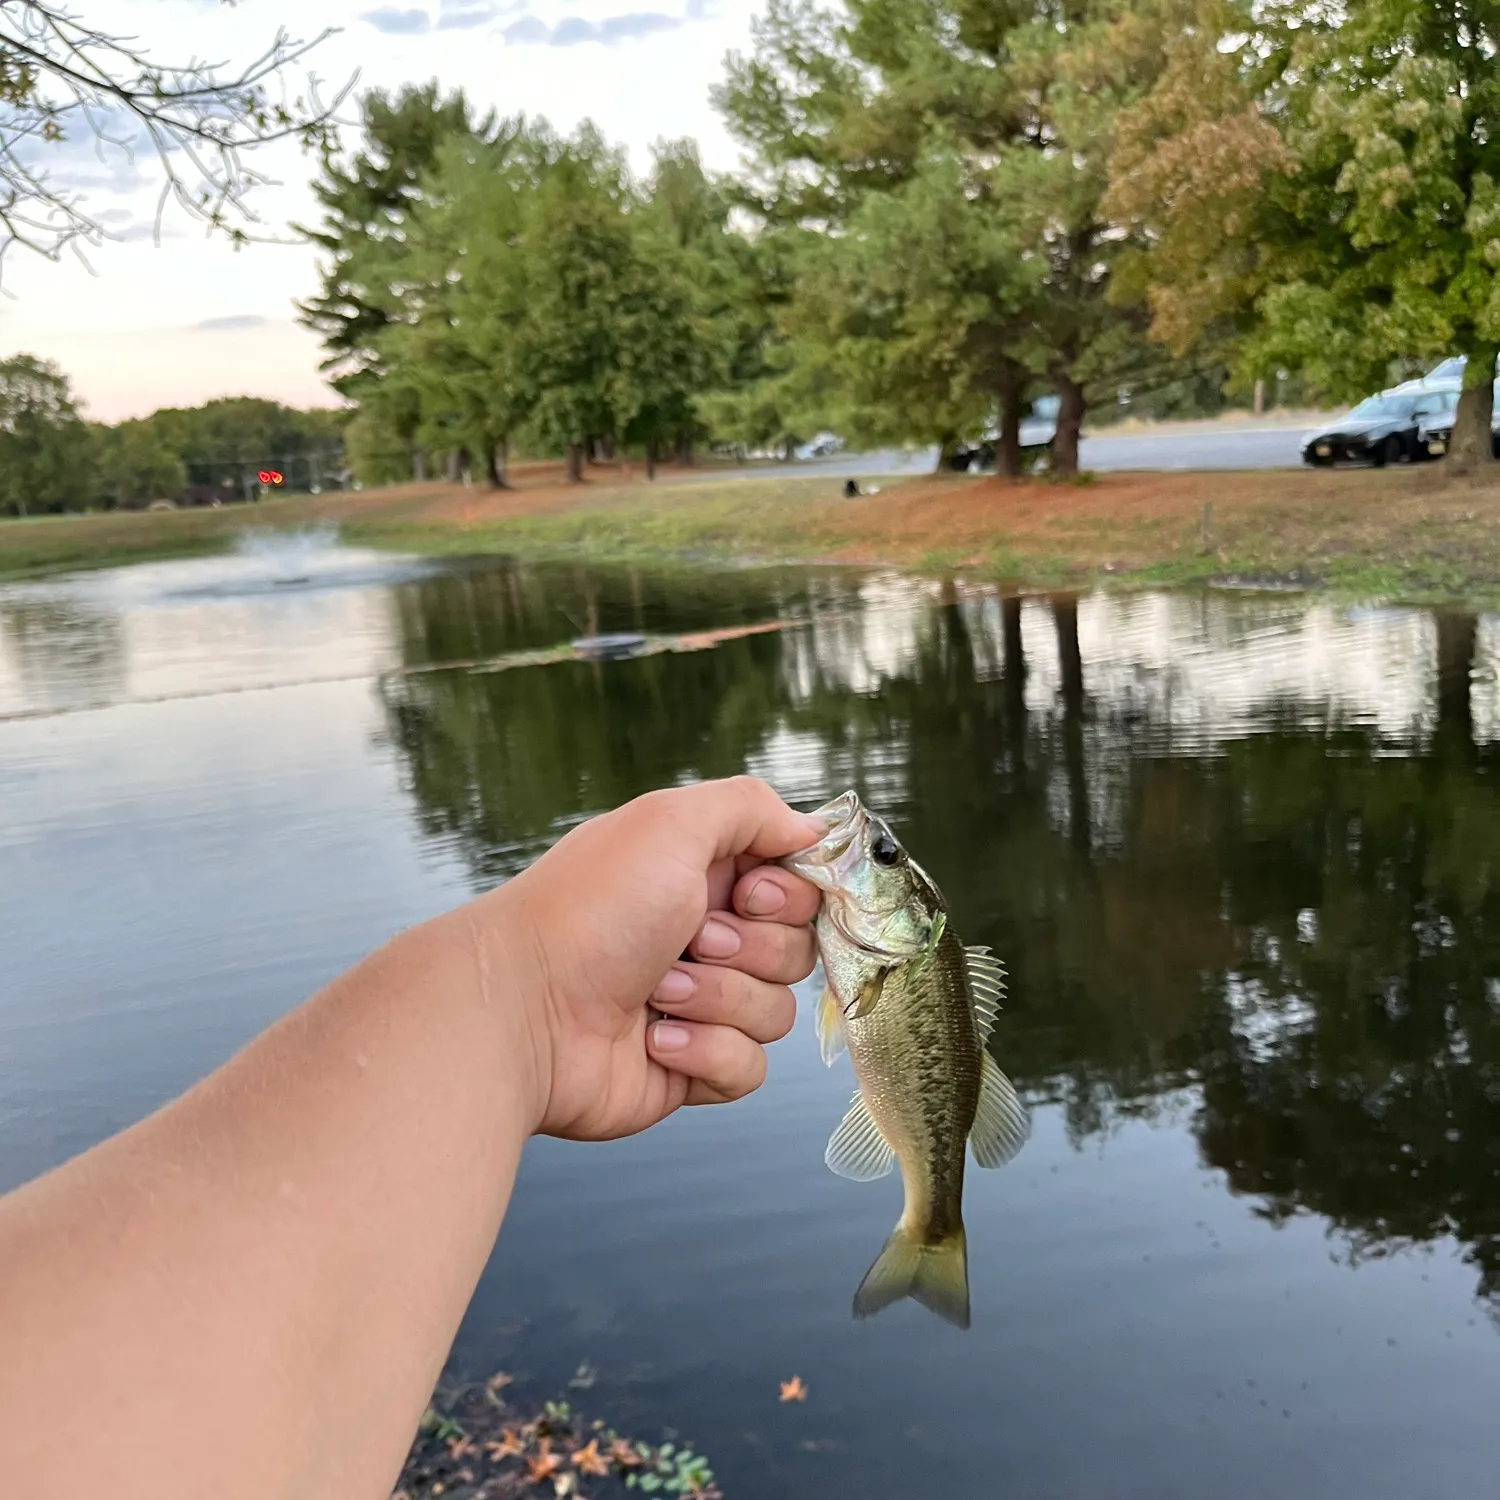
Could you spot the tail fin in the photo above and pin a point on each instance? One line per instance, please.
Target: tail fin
(937, 1276)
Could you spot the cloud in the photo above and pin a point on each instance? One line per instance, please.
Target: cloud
(461, 15)
(232, 324)
(618, 28)
(573, 31)
(526, 31)
(398, 22)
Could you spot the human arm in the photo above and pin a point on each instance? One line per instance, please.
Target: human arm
(251, 1293)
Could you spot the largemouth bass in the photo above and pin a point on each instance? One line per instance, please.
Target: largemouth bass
(914, 1008)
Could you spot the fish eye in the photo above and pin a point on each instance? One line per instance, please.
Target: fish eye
(885, 850)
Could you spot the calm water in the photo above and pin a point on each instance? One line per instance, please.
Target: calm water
(1239, 852)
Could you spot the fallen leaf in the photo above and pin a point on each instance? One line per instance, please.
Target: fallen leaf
(460, 1446)
(590, 1460)
(584, 1376)
(498, 1381)
(544, 1464)
(624, 1455)
(508, 1445)
(793, 1389)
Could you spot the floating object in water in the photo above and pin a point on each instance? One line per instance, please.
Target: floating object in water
(607, 647)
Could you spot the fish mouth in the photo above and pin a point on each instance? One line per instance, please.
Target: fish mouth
(842, 820)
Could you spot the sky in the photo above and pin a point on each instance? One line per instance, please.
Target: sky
(144, 325)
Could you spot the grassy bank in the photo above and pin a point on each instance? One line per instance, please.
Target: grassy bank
(1410, 533)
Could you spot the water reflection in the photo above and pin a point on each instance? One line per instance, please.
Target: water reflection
(1239, 853)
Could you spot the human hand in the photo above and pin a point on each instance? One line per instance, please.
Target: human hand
(665, 903)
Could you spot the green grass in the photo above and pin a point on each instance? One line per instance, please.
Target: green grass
(1400, 543)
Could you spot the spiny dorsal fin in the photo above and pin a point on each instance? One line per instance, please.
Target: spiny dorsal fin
(831, 1040)
(987, 982)
(857, 1149)
(1001, 1123)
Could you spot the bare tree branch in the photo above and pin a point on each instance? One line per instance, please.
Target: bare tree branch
(61, 79)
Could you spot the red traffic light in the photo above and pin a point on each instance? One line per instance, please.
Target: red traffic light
(264, 476)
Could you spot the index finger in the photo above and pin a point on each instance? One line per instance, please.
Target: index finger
(743, 815)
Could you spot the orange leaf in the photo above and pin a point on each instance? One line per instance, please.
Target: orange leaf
(590, 1460)
(542, 1465)
(793, 1389)
(624, 1455)
(508, 1446)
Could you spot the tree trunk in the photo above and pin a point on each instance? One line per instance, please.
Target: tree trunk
(945, 452)
(1012, 390)
(1457, 638)
(496, 462)
(1069, 427)
(651, 460)
(685, 449)
(452, 465)
(1472, 445)
(575, 463)
(418, 464)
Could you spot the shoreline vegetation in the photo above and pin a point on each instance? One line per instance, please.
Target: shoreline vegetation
(476, 1443)
(1401, 534)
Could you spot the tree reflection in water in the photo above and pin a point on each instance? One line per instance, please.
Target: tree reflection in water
(1296, 921)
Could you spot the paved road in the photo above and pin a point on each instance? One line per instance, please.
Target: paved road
(1189, 448)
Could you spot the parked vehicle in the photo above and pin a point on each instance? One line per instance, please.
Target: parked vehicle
(1382, 429)
(1038, 428)
(824, 445)
(1435, 434)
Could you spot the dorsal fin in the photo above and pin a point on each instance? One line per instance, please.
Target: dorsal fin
(987, 983)
(1001, 1123)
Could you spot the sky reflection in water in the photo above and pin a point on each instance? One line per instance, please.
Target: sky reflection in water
(1238, 853)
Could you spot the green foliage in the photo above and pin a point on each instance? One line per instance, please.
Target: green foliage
(136, 464)
(960, 152)
(1327, 178)
(46, 451)
(366, 206)
(537, 292)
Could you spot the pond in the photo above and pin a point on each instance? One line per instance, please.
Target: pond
(1238, 851)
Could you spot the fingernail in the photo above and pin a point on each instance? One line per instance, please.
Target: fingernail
(675, 987)
(717, 940)
(764, 898)
(667, 1036)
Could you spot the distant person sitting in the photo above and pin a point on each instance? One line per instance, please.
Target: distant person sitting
(249, 1294)
(851, 490)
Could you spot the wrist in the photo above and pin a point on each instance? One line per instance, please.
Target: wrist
(484, 954)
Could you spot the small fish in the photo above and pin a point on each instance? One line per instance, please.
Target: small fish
(914, 1008)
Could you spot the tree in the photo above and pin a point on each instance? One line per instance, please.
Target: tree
(367, 207)
(60, 79)
(46, 454)
(136, 463)
(1009, 113)
(1330, 178)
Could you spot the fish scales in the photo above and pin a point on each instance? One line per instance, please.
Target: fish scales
(922, 1033)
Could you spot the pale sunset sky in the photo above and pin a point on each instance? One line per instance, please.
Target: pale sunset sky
(179, 323)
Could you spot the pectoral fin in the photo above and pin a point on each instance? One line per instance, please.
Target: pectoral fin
(987, 983)
(831, 1040)
(857, 1149)
(1001, 1123)
(869, 993)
